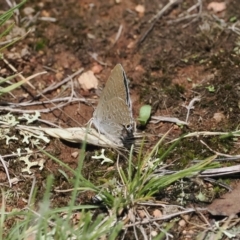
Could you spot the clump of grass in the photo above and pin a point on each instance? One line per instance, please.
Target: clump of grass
(120, 199)
(4, 17)
(3, 20)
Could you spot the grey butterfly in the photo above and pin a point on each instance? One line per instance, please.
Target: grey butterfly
(113, 115)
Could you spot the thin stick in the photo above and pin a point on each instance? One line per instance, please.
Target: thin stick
(56, 85)
(45, 110)
(166, 217)
(6, 170)
(20, 75)
(95, 57)
(218, 153)
(28, 103)
(31, 191)
(156, 18)
(190, 106)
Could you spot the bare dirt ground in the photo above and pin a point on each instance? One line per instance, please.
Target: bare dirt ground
(185, 55)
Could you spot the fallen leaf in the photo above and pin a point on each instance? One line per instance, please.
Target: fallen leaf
(216, 6)
(88, 81)
(228, 204)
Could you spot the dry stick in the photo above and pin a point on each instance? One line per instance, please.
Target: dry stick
(58, 106)
(94, 56)
(192, 8)
(21, 76)
(213, 181)
(156, 18)
(56, 85)
(166, 217)
(182, 18)
(46, 110)
(29, 103)
(16, 11)
(148, 216)
(143, 231)
(31, 191)
(203, 133)
(134, 226)
(157, 119)
(117, 36)
(6, 170)
(234, 28)
(47, 19)
(204, 219)
(198, 14)
(195, 15)
(52, 87)
(32, 20)
(218, 153)
(190, 106)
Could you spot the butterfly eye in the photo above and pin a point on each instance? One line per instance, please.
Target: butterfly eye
(128, 127)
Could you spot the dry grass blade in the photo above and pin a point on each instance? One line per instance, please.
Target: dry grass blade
(6, 170)
(76, 135)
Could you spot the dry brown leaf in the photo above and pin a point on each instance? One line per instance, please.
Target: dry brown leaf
(88, 81)
(228, 204)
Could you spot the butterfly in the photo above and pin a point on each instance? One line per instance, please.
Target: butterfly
(113, 114)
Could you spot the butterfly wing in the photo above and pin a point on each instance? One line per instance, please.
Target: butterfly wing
(113, 114)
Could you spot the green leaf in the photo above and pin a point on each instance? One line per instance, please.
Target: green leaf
(144, 114)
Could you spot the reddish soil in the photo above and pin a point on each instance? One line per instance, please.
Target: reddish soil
(177, 61)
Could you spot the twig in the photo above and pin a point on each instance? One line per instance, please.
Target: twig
(207, 133)
(95, 57)
(47, 19)
(16, 11)
(190, 106)
(182, 18)
(29, 103)
(156, 18)
(198, 14)
(56, 85)
(6, 170)
(234, 28)
(165, 217)
(21, 76)
(45, 110)
(195, 15)
(218, 153)
(156, 119)
(32, 190)
(213, 181)
(118, 34)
